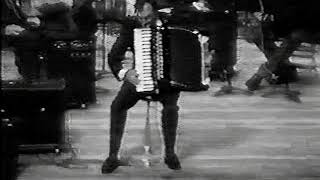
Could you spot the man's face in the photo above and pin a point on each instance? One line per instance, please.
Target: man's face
(146, 15)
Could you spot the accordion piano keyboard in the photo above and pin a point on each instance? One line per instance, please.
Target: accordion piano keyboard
(143, 59)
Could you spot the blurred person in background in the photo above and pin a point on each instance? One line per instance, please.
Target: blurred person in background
(22, 33)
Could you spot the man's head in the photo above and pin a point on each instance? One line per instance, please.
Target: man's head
(146, 11)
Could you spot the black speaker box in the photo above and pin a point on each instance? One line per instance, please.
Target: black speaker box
(9, 149)
(37, 109)
(75, 62)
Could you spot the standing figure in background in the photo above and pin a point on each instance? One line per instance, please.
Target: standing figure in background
(222, 27)
(127, 97)
(85, 17)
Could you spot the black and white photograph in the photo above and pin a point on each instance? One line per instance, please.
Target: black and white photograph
(160, 89)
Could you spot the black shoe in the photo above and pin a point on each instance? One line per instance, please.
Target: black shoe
(254, 82)
(109, 165)
(217, 76)
(222, 75)
(172, 162)
(231, 72)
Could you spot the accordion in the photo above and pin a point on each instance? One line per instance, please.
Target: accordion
(148, 58)
(169, 54)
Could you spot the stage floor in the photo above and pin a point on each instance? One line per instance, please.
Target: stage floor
(234, 136)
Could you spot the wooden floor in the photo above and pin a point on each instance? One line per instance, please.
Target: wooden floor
(235, 136)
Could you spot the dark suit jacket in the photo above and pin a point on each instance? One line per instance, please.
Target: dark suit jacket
(10, 14)
(289, 14)
(123, 42)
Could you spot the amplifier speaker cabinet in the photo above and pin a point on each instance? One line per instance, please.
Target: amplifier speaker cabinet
(75, 62)
(37, 109)
(9, 149)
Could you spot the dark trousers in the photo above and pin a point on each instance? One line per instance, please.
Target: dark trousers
(126, 98)
(274, 54)
(265, 40)
(289, 45)
(222, 39)
(27, 47)
(278, 56)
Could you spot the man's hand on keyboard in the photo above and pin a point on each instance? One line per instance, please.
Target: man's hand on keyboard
(33, 21)
(13, 29)
(132, 77)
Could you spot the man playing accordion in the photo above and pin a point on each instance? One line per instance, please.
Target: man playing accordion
(127, 96)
